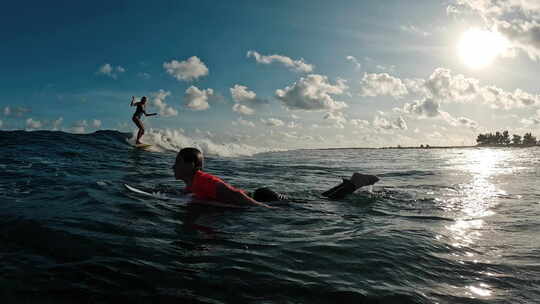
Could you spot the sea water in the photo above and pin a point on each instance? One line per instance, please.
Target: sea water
(441, 226)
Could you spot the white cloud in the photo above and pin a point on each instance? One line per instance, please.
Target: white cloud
(241, 93)
(57, 123)
(32, 124)
(444, 87)
(467, 122)
(295, 65)
(426, 108)
(1, 123)
(383, 123)
(382, 84)
(197, 99)
(244, 99)
(243, 122)
(16, 111)
(312, 93)
(188, 70)
(400, 123)
(79, 126)
(360, 123)
(242, 109)
(414, 30)
(111, 71)
(158, 101)
(336, 118)
(273, 122)
(353, 59)
(293, 125)
(96, 123)
(447, 88)
(518, 20)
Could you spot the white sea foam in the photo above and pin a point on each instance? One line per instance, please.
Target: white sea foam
(176, 139)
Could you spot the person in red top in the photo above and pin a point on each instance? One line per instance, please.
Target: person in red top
(189, 164)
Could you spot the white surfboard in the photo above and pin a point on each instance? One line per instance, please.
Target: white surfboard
(143, 146)
(163, 196)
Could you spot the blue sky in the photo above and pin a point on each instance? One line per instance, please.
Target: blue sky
(318, 73)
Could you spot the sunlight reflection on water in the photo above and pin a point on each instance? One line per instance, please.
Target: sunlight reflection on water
(476, 199)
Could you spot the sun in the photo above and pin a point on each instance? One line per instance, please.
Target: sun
(479, 48)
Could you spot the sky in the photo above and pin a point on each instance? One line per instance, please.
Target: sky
(275, 74)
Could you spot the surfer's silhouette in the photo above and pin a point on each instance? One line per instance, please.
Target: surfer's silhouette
(141, 109)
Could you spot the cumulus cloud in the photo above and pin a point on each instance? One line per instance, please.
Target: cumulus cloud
(534, 120)
(158, 100)
(400, 123)
(79, 126)
(111, 71)
(16, 111)
(293, 125)
(414, 30)
(295, 65)
(312, 93)
(353, 59)
(57, 123)
(382, 84)
(188, 70)
(197, 99)
(243, 122)
(96, 123)
(383, 123)
(467, 122)
(272, 122)
(427, 108)
(245, 100)
(336, 118)
(242, 109)
(444, 87)
(518, 20)
(499, 98)
(32, 124)
(360, 123)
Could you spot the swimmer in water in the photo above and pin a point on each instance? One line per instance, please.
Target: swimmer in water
(141, 109)
(189, 164)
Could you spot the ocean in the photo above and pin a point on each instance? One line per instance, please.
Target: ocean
(457, 225)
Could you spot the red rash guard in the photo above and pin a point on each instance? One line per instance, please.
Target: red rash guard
(204, 186)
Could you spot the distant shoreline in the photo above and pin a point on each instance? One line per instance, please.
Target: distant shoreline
(427, 148)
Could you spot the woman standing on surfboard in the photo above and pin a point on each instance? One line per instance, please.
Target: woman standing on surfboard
(141, 105)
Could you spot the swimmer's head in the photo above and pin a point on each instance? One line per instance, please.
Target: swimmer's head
(188, 161)
(143, 99)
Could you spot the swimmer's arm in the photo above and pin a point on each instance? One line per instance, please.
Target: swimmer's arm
(226, 194)
(132, 100)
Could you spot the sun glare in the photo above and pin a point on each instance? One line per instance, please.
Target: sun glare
(479, 48)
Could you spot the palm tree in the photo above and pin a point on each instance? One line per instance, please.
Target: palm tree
(505, 138)
(529, 140)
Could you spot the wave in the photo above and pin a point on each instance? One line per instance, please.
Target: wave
(162, 139)
(176, 139)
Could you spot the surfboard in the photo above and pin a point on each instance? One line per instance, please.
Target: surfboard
(143, 146)
(163, 196)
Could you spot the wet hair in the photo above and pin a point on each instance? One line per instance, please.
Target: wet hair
(143, 99)
(192, 155)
